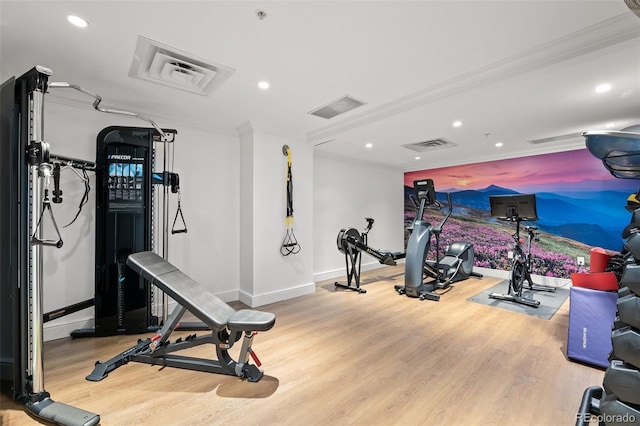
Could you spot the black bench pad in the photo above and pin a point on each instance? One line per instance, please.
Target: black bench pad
(250, 320)
(198, 300)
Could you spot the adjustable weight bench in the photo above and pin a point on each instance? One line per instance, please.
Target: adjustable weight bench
(226, 324)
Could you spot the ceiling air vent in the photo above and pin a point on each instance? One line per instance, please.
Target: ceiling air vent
(430, 145)
(162, 64)
(556, 138)
(337, 107)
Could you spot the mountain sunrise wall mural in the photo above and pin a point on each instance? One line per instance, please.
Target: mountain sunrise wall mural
(579, 204)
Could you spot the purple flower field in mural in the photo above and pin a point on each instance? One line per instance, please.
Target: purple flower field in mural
(492, 242)
(580, 206)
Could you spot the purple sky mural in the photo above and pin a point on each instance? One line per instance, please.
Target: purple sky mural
(574, 170)
(579, 204)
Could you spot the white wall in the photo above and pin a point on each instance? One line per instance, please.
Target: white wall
(235, 220)
(208, 165)
(345, 192)
(275, 277)
(246, 210)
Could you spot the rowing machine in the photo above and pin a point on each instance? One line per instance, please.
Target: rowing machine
(351, 243)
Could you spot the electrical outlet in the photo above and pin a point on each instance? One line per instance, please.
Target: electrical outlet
(580, 261)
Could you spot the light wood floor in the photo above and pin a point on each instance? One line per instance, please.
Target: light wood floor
(340, 358)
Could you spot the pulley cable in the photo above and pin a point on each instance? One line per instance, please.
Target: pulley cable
(85, 197)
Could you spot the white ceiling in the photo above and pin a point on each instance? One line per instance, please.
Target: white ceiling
(511, 71)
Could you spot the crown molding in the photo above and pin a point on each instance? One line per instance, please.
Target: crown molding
(607, 33)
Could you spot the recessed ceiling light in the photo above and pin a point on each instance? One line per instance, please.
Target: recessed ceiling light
(369, 145)
(417, 158)
(609, 125)
(77, 21)
(457, 123)
(264, 85)
(603, 88)
(499, 144)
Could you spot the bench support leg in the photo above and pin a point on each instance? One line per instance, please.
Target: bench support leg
(243, 368)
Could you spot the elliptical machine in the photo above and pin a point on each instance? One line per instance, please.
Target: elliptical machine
(456, 265)
(457, 262)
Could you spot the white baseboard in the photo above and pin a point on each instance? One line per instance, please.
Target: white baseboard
(497, 273)
(277, 296)
(229, 296)
(58, 329)
(335, 273)
(63, 327)
(538, 279)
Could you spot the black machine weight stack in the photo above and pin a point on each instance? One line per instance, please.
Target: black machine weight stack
(124, 225)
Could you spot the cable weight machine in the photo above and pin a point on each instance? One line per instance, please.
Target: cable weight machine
(25, 172)
(25, 176)
(132, 215)
(165, 179)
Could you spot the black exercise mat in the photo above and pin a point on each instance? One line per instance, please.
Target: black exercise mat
(549, 302)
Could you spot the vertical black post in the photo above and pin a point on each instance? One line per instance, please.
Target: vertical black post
(10, 328)
(25, 164)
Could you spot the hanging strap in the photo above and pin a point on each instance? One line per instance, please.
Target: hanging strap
(85, 196)
(289, 244)
(184, 224)
(289, 185)
(57, 192)
(46, 205)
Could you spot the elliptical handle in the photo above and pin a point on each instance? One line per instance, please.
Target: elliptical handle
(413, 200)
(444, 220)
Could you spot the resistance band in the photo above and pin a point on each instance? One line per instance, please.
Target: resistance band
(289, 244)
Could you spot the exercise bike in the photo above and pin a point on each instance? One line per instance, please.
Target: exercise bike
(351, 243)
(519, 208)
(455, 265)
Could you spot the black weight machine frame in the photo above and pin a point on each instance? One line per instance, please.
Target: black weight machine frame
(352, 243)
(159, 183)
(519, 208)
(26, 171)
(29, 167)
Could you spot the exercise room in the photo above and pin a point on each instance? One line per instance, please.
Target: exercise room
(320, 212)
